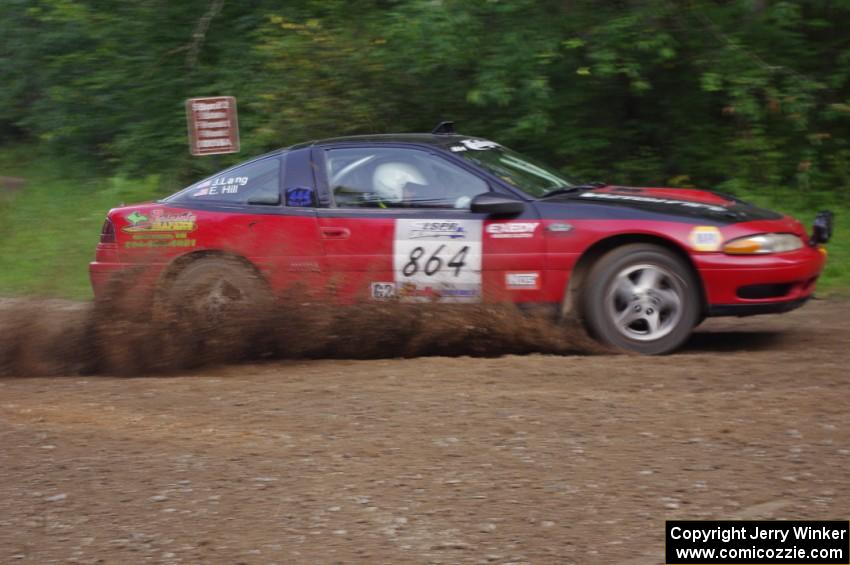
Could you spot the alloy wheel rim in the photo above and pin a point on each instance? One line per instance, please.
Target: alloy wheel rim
(644, 302)
(217, 300)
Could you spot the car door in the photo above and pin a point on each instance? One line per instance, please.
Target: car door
(398, 224)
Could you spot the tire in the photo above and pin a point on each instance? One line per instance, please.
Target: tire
(217, 287)
(218, 310)
(641, 298)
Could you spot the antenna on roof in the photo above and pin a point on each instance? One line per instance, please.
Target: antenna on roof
(444, 128)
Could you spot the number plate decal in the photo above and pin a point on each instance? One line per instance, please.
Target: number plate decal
(438, 260)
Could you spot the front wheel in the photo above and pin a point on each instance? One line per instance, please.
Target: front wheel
(641, 298)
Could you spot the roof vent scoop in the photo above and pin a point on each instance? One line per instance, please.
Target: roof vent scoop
(444, 128)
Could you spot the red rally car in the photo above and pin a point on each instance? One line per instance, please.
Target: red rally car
(442, 217)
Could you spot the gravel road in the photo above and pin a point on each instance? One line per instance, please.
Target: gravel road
(526, 458)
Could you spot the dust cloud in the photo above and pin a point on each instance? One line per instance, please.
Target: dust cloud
(44, 337)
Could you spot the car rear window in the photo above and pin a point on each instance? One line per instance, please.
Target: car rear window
(236, 185)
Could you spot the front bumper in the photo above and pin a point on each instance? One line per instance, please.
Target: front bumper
(744, 285)
(756, 309)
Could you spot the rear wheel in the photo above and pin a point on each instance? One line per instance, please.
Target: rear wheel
(642, 298)
(216, 289)
(221, 305)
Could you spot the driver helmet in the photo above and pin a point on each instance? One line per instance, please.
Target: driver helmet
(390, 179)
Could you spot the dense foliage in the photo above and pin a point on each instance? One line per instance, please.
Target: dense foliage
(734, 94)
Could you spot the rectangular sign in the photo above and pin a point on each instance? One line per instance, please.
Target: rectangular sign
(437, 260)
(522, 281)
(213, 125)
(763, 542)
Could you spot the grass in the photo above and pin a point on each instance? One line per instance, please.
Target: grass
(50, 227)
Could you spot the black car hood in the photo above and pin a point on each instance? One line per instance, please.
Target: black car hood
(693, 206)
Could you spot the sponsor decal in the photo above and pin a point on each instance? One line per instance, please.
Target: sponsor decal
(299, 197)
(706, 238)
(220, 185)
(474, 144)
(227, 185)
(202, 188)
(522, 281)
(148, 243)
(463, 293)
(651, 200)
(159, 221)
(436, 229)
(136, 218)
(159, 229)
(383, 290)
(479, 144)
(444, 293)
(410, 290)
(304, 266)
(512, 229)
(438, 260)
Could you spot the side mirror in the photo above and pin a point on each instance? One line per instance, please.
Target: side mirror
(265, 198)
(495, 204)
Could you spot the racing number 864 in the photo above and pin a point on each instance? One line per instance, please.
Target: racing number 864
(434, 263)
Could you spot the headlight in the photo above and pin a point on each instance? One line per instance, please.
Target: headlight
(763, 243)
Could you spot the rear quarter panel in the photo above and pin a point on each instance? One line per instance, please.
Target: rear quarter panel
(282, 243)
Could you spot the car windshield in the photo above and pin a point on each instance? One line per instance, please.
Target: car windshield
(517, 170)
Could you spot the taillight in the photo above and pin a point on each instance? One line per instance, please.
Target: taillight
(107, 232)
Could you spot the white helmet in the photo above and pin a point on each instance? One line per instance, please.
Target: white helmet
(390, 179)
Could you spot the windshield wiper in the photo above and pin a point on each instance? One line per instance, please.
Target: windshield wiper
(574, 188)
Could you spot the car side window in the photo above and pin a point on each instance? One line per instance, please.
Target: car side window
(385, 177)
(238, 185)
